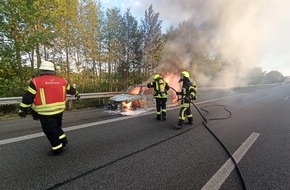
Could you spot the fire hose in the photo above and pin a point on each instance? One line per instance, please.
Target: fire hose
(205, 120)
(146, 148)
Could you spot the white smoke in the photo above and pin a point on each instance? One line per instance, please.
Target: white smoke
(245, 33)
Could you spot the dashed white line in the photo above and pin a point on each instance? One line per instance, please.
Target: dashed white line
(286, 98)
(222, 174)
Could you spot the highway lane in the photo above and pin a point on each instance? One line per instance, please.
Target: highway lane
(142, 153)
(25, 126)
(267, 164)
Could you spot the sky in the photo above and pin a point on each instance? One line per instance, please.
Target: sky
(256, 33)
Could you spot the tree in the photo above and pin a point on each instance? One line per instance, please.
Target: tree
(39, 29)
(111, 42)
(131, 51)
(256, 76)
(66, 23)
(152, 41)
(92, 36)
(274, 77)
(13, 30)
(85, 45)
(24, 26)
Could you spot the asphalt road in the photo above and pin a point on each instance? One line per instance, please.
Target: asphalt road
(108, 151)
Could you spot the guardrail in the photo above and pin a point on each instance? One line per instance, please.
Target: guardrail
(16, 100)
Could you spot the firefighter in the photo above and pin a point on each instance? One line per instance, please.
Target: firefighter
(45, 100)
(188, 93)
(160, 94)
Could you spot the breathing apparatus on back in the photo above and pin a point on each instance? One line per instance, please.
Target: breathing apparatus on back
(160, 88)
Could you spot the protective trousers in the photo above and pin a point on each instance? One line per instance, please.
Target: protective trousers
(51, 126)
(161, 108)
(183, 113)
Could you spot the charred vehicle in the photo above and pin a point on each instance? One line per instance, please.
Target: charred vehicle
(136, 97)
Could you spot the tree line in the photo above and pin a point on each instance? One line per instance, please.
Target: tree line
(95, 48)
(99, 50)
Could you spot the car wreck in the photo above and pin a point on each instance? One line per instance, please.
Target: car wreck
(136, 97)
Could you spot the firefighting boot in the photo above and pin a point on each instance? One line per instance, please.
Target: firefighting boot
(164, 116)
(158, 117)
(179, 124)
(64, 141)
(55, 152)
(189, 121)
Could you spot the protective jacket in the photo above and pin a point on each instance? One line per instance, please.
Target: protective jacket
(47, 95)
(160, 88)
(188, 93)
(188, 90)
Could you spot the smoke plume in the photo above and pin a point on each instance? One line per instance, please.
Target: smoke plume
(239, 32)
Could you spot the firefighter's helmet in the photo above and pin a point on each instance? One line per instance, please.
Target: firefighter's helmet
(185, 74)
(156, 76)
(47, 66)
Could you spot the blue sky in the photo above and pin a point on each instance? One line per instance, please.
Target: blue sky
(266, 42)
(138, 8)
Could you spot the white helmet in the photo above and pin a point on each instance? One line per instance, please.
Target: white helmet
(47, 66)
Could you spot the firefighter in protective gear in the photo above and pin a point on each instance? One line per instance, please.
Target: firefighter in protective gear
(160, 94)
(45, 100)
(188, 93)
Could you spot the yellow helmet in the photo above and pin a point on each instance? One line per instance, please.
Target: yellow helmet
(185, 74)
(156, 76)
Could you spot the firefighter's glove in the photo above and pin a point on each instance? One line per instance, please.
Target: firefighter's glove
(192, 97)
(22, 114)
(34, 115)
(77, 96)
(187, 99)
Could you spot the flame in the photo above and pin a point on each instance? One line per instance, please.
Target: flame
(131, 105)
(126, 106)
(172, 80)
(134, 90)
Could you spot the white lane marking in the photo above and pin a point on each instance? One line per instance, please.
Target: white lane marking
(222, 174)
(286, 98)
(21, 138)
(35, 135)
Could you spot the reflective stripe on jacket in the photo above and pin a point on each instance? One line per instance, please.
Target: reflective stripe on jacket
(160, 91)
(188, 89)
(50, 97)
(160, 88)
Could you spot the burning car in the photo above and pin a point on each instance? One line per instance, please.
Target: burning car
(136, 97)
